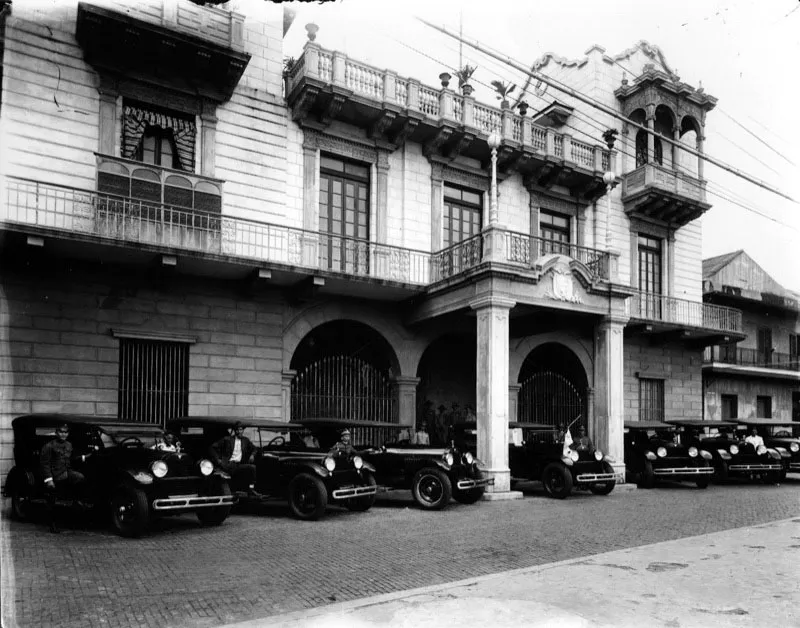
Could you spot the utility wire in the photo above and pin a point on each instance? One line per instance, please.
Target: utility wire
(605, 109)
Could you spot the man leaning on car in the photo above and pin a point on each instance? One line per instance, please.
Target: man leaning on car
(234, 454)
(55, 461)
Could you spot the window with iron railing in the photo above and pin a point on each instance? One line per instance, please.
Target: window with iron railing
(153, 380)
(344, 215)
(651, 399)
(462, 214)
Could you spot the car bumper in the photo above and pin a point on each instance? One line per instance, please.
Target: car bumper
(754, 467)
(469, 483)
(191, 502)
(591, 478)
(353, 491)
(679, 471)
(794, 466)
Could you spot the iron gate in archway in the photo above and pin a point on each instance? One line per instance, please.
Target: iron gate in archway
(344, 387)
(550, 398)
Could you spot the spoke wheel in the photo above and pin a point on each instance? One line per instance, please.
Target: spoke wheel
(215, 515)
(308, 497)
(431, 489)
(130, 511)
(365, 502)
(557, 480)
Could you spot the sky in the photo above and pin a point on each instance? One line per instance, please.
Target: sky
(742, 51)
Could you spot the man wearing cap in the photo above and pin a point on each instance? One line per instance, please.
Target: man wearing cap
(343, 446)
(234, 454)
(55, 462)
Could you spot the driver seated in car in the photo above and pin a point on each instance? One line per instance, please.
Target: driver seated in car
(754, 439)
(582, 442)
(343, 445)
(168, 443)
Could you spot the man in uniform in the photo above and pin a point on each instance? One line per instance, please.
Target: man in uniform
(55, 461)
(583, 442)
(234, 455)
(344, 445)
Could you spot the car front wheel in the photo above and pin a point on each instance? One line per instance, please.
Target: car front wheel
(557, 480)
(604, 488)
(130, 511)
(432, 489)
(647, 478)
(216, 515)
(365, 502)
(20, 504)
(308, 497)
(704, 480)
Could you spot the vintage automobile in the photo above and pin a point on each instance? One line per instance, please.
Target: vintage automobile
(781, 435)
(652, 454)
(433, 474)
(559, 469)
(123, 473)
(731, 457)
(293, 462)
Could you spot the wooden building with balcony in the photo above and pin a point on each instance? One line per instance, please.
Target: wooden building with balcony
(758, 377)
(207, 235)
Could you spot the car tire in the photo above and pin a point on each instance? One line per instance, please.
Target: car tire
(431, 489)
(720, 472)
(557, 480)
(773, 477)
(704, 480)
(216, 515)
(647, 478)
(782, 474)
(604, 488)
(365, 502)
(21, 484)
(308, 497)
(470, 495)
(130, 511)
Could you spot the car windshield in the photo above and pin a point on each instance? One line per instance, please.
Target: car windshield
(114, 435)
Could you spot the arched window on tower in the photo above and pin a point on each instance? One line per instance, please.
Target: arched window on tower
(641, 149)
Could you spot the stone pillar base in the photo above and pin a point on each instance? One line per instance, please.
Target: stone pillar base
(502, 495)
(619, 469)
(502, 480)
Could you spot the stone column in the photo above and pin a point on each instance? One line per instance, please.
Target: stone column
(700, 159)
(609, 389)
(406, 389)
(491, 390)
(208, 140)
(108, 120)
(437, 198)
(591, 427)
(287, 376)
(676, 152)
(651, 138)
(310, 255)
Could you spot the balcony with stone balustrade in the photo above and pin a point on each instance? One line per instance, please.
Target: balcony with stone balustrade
(324, 86)
(657, 193)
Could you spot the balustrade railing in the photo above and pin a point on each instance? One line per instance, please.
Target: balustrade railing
(524, 249)
(457, 258)
(741, 356)
(657, 307)
(386, 86)
(654, 175)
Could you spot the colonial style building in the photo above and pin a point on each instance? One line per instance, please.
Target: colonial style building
(759, 376)
(191, 225)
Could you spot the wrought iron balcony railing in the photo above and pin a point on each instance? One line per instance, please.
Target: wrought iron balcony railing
(656, 307)
(730, 354)
(385, 86)
(135, 221)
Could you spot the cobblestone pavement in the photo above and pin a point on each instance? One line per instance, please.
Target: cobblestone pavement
(262, 562)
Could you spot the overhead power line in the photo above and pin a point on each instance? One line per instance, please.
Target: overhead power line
(605, 109)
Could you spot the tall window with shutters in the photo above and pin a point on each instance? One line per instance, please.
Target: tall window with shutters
(153, 380)
(651, 399)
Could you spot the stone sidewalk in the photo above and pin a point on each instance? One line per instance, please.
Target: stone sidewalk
(740, 577)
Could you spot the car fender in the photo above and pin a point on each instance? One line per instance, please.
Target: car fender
(313, 467)
(773, 453)
(19, 478)
(368, 466)
(567, 461)
(138, 477)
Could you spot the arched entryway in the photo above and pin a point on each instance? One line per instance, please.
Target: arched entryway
(446, 389)
(553, 387)
(344, 370)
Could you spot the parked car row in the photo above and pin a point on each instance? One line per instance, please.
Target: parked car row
(129, 478)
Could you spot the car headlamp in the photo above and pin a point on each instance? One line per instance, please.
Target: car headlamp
(330, 463)
(358, 462)
(469, 458)
(795, 447)
(706, 454)
(598, 455)
(159, 468)
(206, 467)
(662, 452)
(649, 455)
(692, 452)
(448, 458)
(761, 450)
(734, 449)
(573, 455)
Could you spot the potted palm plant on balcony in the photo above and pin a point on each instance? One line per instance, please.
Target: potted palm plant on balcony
(464, 75)
(288, 65)
(503, 91)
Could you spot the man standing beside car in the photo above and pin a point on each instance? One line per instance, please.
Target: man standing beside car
(55, 461)
(234, 454)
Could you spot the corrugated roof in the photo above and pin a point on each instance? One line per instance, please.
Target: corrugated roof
(713, 265)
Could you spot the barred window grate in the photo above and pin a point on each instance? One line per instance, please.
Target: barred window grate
(153, 380)
(651, 400)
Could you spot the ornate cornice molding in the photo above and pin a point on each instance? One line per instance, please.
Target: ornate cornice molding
(345, 147)
(467, 178)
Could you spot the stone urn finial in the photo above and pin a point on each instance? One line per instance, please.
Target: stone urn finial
(445, 77)
(311, 31)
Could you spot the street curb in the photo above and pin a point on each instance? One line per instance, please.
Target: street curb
(342, 607)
